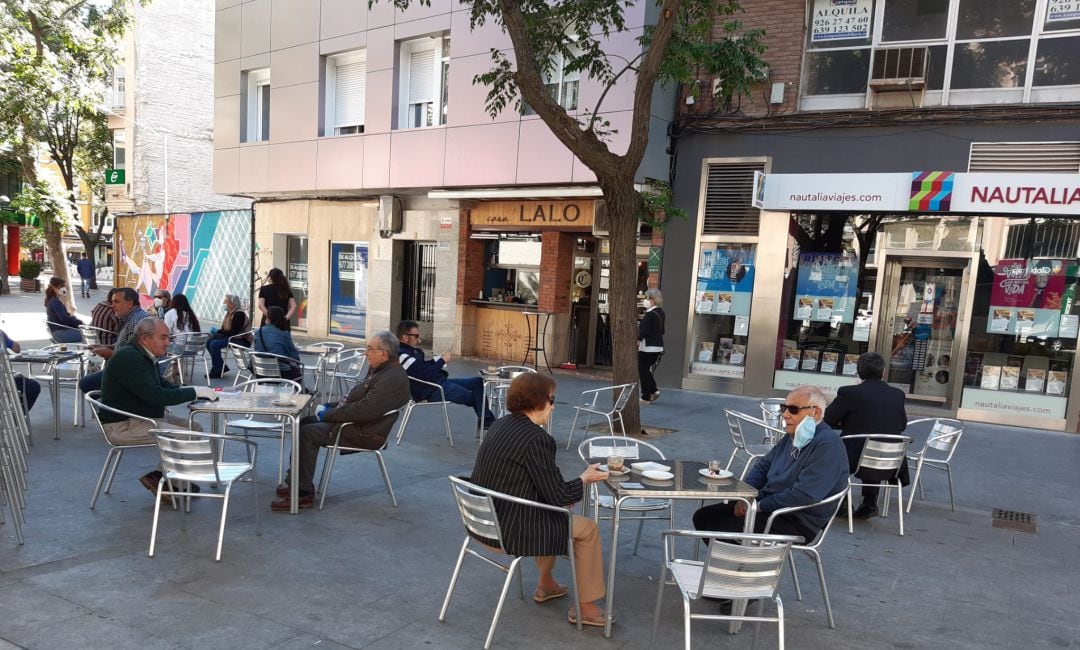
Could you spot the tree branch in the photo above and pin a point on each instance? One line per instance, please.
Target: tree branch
(596, 111)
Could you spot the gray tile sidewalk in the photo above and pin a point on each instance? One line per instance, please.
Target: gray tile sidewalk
(364, 574)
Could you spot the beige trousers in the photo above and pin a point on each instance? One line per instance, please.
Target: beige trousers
(588, 560)
(137, 432)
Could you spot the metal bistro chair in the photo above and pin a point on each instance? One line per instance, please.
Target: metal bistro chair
(498, 381)
(194, 348)
(52, 334)
(336, 448)
(620, 395)
(413, 404)
(241, 355)
(68, 373)
(599, 448)
(476, 505)
(266, 365)
(191, 456)
(885, 453)
(736, 422)
(116, 451)
(347, 372)
(748, 567)
(272, 426)
(937, 453)
(772, 413)
(810, 547)
(323, 370)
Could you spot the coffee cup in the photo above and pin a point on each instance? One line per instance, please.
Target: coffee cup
(615, 463)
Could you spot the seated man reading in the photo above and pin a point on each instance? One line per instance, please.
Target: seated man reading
(467, 391)
(807, 465)
(386, 388)
(131, 382)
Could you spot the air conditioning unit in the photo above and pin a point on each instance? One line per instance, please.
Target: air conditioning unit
(899, 68)
(389, 218)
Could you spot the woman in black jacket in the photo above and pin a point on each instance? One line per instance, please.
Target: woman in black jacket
(517, 457)
(650, 344)
(235, 322)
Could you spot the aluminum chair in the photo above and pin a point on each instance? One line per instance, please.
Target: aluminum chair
(323, 370)
(476, 505)
(736, 421)
(497, 400)
(347, 372)
(772, 413)
(885, 453)
(68, 372)
(14, 445)
(51, 324)
(241, 355)
(413, 404)
(194, 348)
(937, 453)
(748, 567)
(270, 426)
(116, 451)
(620, 395)
(598, 449)
(267, 365)
(191, 456)
(494, 380)
(335, 448)
(810, 547)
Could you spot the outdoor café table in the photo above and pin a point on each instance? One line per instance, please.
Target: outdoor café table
(687, 485)
(53, 358)
(279, 404)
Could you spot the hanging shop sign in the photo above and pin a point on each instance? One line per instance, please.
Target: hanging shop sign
(534, 214)
(1028, 297)
(825, 290)
(348, 289)
(725, 281)
(840, 20)
(927, 191)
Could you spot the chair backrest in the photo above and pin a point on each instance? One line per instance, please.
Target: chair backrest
(477, 510)
(265, 364)
(497, 399)
(194, 342)
(883, 452)
(944, 437)
(271, 385)
(351, 363)
(751, 569)
(625, 392)
(510, 372)
(772, 411)
(329, 346)
(187, 455)
(90, 335)
(93, 398)
(434, 395)
(600, 447)
(241, 353)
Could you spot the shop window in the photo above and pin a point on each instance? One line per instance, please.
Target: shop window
(915, 20)
(296, 271)
(346, 92)
(721, 323)
(1042, 238)
(937, 234)
(348, 289)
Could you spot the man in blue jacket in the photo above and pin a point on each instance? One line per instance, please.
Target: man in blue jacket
(86, 273)
(804, 467)
(467, 391)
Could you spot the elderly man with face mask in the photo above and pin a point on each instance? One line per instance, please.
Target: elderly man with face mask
(804, 467)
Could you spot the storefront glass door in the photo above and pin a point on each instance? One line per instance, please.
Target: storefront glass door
(917, 332)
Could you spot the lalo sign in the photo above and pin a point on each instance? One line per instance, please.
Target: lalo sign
(534, 214)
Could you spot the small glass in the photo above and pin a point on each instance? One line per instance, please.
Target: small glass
(615, 464)
(63, 347)
(714, 467)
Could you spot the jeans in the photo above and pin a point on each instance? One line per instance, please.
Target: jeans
(28, 387)
(468, 391)
(214, 347)
(721, 518)
(67, 336)
(85, 287)
(91, 382)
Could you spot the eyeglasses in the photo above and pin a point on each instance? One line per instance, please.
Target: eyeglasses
(551, 400)
(375, 350)
(414, 335)
(794, 409)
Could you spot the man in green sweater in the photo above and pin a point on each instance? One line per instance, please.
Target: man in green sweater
(132, 383)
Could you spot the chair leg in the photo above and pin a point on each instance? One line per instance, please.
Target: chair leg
(221, 527)
(885, 504)
(824, 589)
(610, 425)
(386, 478)
(780, 619)
(850, 516)
(731, 459)
(899, 501)
(915, 483)
(157, 512)
(404, 421)
(112, 473)
(101, 477)
(502, 600)
(281, 454)
(622, 425)
(795, 576)
(328, 468)
(573, 427)
(746, 467)
(659, 604)
(637, 540)
(453, 580)
(686, 622)
(446, 421)
(952, 499)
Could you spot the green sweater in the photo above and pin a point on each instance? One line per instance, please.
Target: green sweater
(132, 382)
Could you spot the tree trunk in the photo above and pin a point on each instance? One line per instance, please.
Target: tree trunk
(623, 205)
(54, 242)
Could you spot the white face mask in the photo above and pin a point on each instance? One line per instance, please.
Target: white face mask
(158, 302)
(62, 291)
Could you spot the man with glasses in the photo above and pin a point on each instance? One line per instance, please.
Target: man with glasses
(467, 391)
(125, 304)
(385, 389)
(804, 467)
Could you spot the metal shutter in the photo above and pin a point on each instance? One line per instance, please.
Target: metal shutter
(728, 190)
(421, 76)
(349, 93)
(1036, 157)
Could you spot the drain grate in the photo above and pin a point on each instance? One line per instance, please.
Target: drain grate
(1013, 520)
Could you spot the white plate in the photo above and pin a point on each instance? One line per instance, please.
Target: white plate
(649, 466)
(704, 471)
(657, 475)
(603, 468)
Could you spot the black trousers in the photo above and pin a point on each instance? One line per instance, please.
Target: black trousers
(645, 363)
(721, 518)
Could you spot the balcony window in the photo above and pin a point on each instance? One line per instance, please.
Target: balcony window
(561, 83)
(257, 109)
(423, 78)
(346, 92)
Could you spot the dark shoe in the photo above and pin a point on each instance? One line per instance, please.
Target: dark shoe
(150, 482)
(282, 505)
(215, 374)
(866, 511)
(283, 491)
(226, 369)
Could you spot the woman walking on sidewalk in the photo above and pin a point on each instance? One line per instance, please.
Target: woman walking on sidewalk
(650, 344)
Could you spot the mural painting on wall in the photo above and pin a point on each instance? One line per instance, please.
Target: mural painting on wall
(203, 255)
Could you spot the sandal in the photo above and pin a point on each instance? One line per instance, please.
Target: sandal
(542, 596)
(595, 621)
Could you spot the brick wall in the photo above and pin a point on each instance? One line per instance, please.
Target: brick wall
(470, 267)
(556, 267)
(785, 32)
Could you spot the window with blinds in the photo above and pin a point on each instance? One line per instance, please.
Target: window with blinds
(346, 87)
(729, 188)
(424, 68)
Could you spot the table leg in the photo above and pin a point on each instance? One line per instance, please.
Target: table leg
(610, 599)
(54, 393)
(294, 464)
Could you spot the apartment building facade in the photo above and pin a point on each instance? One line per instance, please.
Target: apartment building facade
(906, 183)
(386, 191)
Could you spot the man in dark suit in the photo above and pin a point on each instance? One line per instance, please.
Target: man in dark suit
(871, 406)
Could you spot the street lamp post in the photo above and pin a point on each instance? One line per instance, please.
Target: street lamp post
(164, 145)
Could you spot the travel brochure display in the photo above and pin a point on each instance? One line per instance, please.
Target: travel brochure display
(1034, 298)
(991, 376)
(725, 351)
(825, 290)
(1036, 380)
(725, 281)
(851, 364)
(1055, 382)
(825, 362)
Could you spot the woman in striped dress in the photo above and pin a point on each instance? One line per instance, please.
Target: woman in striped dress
(517, 457)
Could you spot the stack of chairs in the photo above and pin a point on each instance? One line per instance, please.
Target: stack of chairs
(14, 445)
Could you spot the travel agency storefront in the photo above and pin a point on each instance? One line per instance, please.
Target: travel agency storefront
(965, 282)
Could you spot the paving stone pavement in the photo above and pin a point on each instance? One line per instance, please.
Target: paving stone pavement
(363, 574)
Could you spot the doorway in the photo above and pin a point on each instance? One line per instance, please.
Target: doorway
(917, 331)
(418, 291)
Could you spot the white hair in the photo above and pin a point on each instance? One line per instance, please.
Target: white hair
(655, 296)
(814, 396)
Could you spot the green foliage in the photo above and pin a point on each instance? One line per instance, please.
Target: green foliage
(31, 238)
(29, 269)
(43, 201)
(657, 210)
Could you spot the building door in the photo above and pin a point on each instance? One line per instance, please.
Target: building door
(917, 331)
(418, 290)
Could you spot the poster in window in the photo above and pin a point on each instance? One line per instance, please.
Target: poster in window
(348, 289)
(725, 281)
(1027, 297)
(1062, 10)
(826, 287)
(840, 20)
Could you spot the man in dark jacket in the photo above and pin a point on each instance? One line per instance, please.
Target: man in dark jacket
(365, 408)
(86, 273)
(125, 304)
(467, 391)
(871, 406)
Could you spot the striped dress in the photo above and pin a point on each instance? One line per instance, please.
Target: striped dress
(517, 458)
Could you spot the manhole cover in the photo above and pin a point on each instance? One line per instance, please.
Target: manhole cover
(1013, 520)
(650, 432)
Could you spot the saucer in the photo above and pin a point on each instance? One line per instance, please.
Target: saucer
(724, 474)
